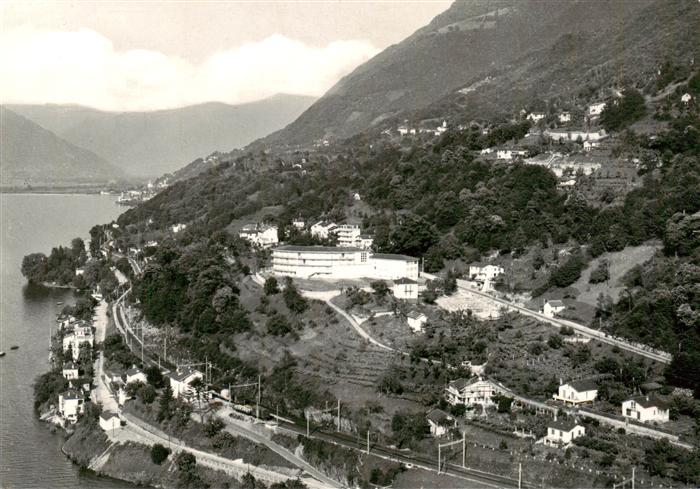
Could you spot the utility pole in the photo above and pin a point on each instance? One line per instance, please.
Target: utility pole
(308, 431)
(520, 475)
(464, 449)
(338, 414)
(368, 441)
(633, 468)
(257, 404)
(439, 449)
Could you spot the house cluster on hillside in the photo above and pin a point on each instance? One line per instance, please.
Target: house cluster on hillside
(75, 335)
(406, 130)
(263, 235)
(347, 235)
(485, 274)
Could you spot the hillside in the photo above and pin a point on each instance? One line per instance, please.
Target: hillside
(501, 53)
(32, 155)
(153, 143)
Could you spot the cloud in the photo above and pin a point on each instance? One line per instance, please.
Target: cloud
(83, 67)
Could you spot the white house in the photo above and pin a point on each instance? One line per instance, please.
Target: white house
(322, 229)
(589, 145)
(596, 108)
(416, 320)
(366, 241)
(348, 235)
(405, 288)
(389, 266)
(440, 422)
(577, 392)
(560, 434)
(686, 98)
(299, 223)
(80, 335)
(486, 151)
(259, 234)
(646, 409)
(552, 308)
(471, 391)
(535, 116)
(482, 273)
(135, 375)
(110, 421)
(510, 153)
(70, 371)
(181, 380)
(178, 227)
(565, 117)
(71, 403)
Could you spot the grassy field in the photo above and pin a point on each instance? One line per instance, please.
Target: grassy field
(620, 262)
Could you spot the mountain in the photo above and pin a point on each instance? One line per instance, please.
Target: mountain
(32, 155)
(152, 143)
(501, 53)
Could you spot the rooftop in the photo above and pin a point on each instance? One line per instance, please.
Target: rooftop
(438, 416)
(182, 374)
(650, 401)
(416, 315)
(460, 384)
(555, 303)
(107, 416)
(391, 256)
(583, 385)
(404, 280)
(317, 249)
(564, 424)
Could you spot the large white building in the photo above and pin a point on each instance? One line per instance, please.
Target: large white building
(471, 391)
(348, 235)
(341, 262)
(575, 134)
(646, 409)
(259, 234)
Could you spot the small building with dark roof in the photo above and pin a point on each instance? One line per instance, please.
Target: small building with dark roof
(646, 409)
(560, 433)
(577, 392)
(440, 422)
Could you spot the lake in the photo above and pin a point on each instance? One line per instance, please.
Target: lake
(30, 456)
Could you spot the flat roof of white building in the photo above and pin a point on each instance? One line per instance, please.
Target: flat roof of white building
(318, 249)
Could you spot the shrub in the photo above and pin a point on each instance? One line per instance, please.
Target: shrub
(159, 454)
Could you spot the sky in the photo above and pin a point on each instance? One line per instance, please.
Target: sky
(143, 55)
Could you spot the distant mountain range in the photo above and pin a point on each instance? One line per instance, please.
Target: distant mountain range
(33, 156)
(149, 144)
(484, 58)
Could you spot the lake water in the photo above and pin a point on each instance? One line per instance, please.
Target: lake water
(30, 456)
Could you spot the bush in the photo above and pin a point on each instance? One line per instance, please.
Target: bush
(600, 274)
(159, 454)
(271, 286)
(555, 341)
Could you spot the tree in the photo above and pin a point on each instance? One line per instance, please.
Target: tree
(278, 325)
(154, 376)
(34, 267)
(408, 428)
(622, 112)
(292, 298)
(159, 454)
(165, 408)
(147, 393)
(271, 286)
(380, 288)
(600, 274)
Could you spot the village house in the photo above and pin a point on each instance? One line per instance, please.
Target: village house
(80, 335)
(259, 234)
(181, 381)
(440, 422)
(577, 392)
(509, 154)
(552, 307)
(71, 403)
(366, 241)
(646, 409)
(70, 371)
(337, 262)
(686, 98)
(482, 273)
(565, 117)
(322, 229)
(113, 377)
(535, 116)
(596, 109)
(299, 223)
(486, 151)
(475, 369)
(470, 392)
(135, 375)
(178, 227)
(405, 289)
(416, 320)
(560, 434)
(110, 421)
(589, 145)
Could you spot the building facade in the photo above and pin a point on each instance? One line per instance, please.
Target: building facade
(646, 409)
(471, 392)
(577, 392)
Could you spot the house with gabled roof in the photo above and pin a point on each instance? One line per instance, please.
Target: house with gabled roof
(71, 404)
(560, 433)
(181, 381)
(472, 391)
(440, 422)
(553, 307)
(110, 421)
(135, 374)
(70, 371)
(577, 392)
(405, 288)
(416, 320)
(646, 409)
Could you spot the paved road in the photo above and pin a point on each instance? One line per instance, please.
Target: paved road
(647, 352)
(101, 392)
